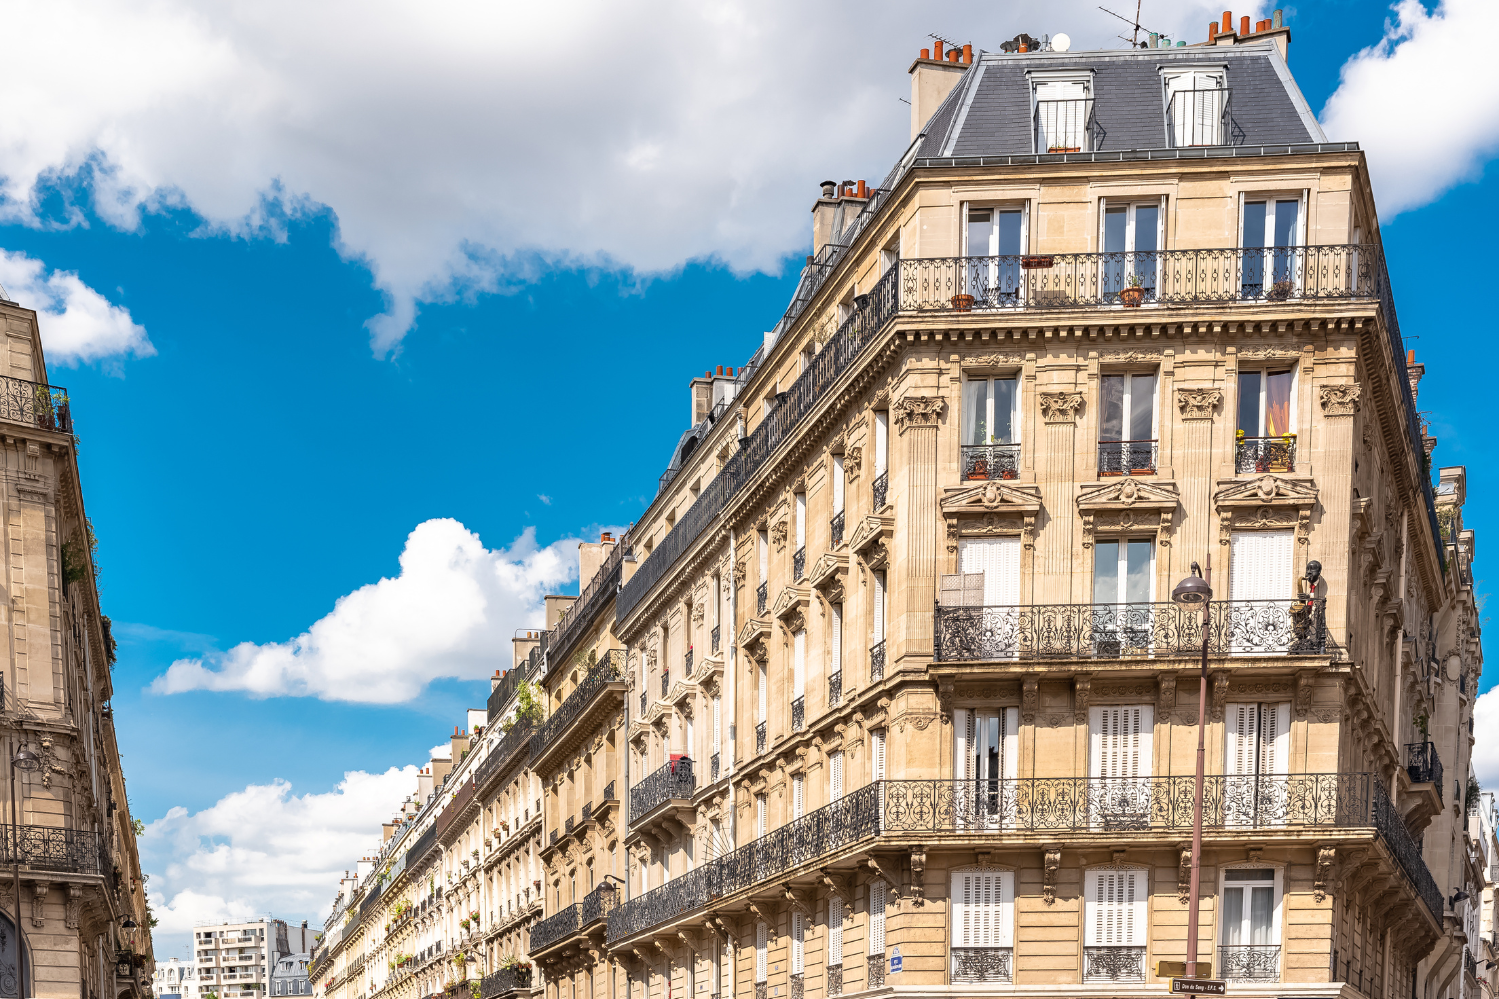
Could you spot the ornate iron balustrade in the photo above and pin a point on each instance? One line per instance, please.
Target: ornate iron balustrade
(687, 663)
(816, 834)
(835, 688)
(761, 595)
(1113, 964)
(558, 926)
(49, 848)
(585, 814)
(498, 983)
(665, 683)
(1084, 280)
(598, 903)
(35, 404)
(609, 669)
(877, 661)
(835, 528)
(1201, 118)
(1127, 457)
(1249, 962)
(713, 639)
(567, 827)
(608, 794)
(1265, 454)
(798, 714)
(506, 688)
(675, 780)
(881, 489)
(874, 971)
(799, 563)
(835, 980)
(1065, 126)
(1423, 765)
(552, 840)
(579, 615)
(713, 767)
(644, 703)
(1114, 631)
(981, 964)
(759, 738)
(991, 461)
(519, 737)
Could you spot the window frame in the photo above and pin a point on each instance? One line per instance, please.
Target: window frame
(1265, 371)
(1035, 78)
(1016, 409)
(1168, 75)
(1277, 882)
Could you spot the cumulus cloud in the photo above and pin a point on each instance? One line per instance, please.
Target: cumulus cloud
(449, 613)
(264, 849)
(78, 324)
(461, 142)
(1433, 69)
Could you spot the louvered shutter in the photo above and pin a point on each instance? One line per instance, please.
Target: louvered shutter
(835, 776)
(982, 908)
(760, 817)
(1242, 724)
(1116, 907)
(877, 918)
(801, 520)
(835, 641)
(798, 787)
(798, 943)
(760, 943)
(1119, 743)
(962, 750)
(799, 663)
(879, 607)
(877, 762)
(999, 560)
(881, 442)
(1275, 738)
(717, 725)
(1061, 114)
(764, 704)
(1261, 565)
(837, 483)
(835, 930)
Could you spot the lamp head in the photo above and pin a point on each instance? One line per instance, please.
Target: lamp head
(26, 760)
(1192, 592)
(1460, 896)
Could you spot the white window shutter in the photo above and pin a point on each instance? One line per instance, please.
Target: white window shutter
(798, 943)
(1276, 723)
(801, 520)
(835, 776)
(962, 735)
(1241, 724)
(877, 761)
(799, 663)
(1260, 566)
(879, 608)
(717, 724)
(1116, 907)
(835, 930)
(760, 817)
(764, 705)
(835, 640)
(1010, 729)
(798, 801)
(999, 560)
(1119, 740)
(881, 442)
(877, 918)
(837, 483)
(982, 903)
(761, 936)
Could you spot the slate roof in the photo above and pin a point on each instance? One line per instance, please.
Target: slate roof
(988, 112)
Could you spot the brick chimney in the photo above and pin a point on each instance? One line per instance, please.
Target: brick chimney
(932, 79)
(1271, 29)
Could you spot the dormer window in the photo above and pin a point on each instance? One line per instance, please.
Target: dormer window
(1196, 108)
(1063, 112)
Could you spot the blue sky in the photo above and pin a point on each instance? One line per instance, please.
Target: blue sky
(309, 323)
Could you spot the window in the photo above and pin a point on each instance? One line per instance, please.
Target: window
(801, 520)
(1131, 236)
(1260, 565)
(1272, 226)
(1114, 932)
(799, 664)
(1123, 587)
(798, 943)
(798, 795)
(881, 442)
(994, 240)
(877, 631)
(877, 754)
(1250, 938)
(1119, 762)
(835, 775)
(762, 696)
(762, 548)
(1063, 115)
(837, 484)
(760, 815)
(998, 560)
(835, 647)
(761, 935)
(983, 905)
(835, 930)
(991, 412)
(877, 892)
(717, 724)
(1196, 108)
(1255, 758)
(1126, 425)
(984, 757)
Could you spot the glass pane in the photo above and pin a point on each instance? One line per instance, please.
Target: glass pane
(1254, 223)
(1007, 271)
(1106, 572)
(1285, 222)
(980, 233)
(1147, 222)
(1004, 410)
(1111, 424)
(1009, 233)
(1141, 407)
(1233, 916)
(1260, 915)
(975, 412)
(1252, 278)
(1249, 403)
(1115, 226)
(1277, 403)
(1137, 572)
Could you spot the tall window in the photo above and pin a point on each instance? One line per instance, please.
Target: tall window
(1126, 424)
(760, 817)
(1063, 110)
(983, 908)
(1196, 108)
(1260, 565)
(877, 754)
(835, 775)
(761, 695)
(801, 520)
(835, 931)
(984, 758)
(1265, 403)
(1123, 585)
(877, 630)
(877, 893)
(799, 664)
(995, 240)
(798, 795)
(761, 936)
(1250, 936)
(1273, 227)
(798, 943)
(835, 654)
(1114, 931)
(991, 411)
(1119, 763)
(1256, 757)
(837, 484)
(997, 560)
(881, 442)
(717, 724)
(1131, 236)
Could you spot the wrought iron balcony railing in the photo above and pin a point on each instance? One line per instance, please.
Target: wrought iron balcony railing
(981, 964)
(35, 404)
(798, 714)
(644, 703)
(665, 682)
(608, 794)
(799, 563)
(558, 926)
(761, 595)
(881, 489)
(1115, 631)
(713, 767)
(1265, 454)
(1113, 964)
(991, 461)
(875, 971)
(1423, 765)
(503, 981)
(49, 848)
(877, 661)
(835, 688)
(1127, 457)
(609, 669)
(1066, 126)
(597, 904)
(1249, 962)
(713, 639)
(1201, 118)
(835, 528)
(675, 780)
(759, 738)
(687, 663)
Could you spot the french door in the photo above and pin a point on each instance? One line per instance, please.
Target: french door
(1256, 757)
(985, 765)
(996, 237)
(1272, 227)
(1119, 758)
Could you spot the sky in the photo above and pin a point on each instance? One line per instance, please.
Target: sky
(352, 301)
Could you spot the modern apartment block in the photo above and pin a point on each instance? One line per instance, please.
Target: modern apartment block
(887, 690)
(238, 959)
(83, 920)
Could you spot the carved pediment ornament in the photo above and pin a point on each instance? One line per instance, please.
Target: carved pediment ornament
(853, 458)
(1266, 502)
(869, 534)
(790, 607)
(778, 532)
(1127, 504)
(918, 411)
(1198, 403)
(1340, 400)
(1060, 407)
(827, 575)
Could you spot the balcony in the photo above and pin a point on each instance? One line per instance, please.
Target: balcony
(877, 661)
(1123, 631)
(759, 738)
(1265, 454)
(1127, 457)
(835, 688)
(982, 462)
(761, 595)
(713, 768)
(798, 714)
(49, 848)
(713, 640)
(687, 664)
(881, 490)
(35, 404)
(1113, 964)
(1200, 118)
(835, 528)
(981, 964)
(665, 683)
(1423, 765)
(799, 563)
(1249, 963)
(1065, 126)
(673, 783)
(601, 691)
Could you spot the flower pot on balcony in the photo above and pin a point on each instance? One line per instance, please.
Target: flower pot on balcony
(980, 469)
(1279, 291)
(962, 303)
(1132, 297)
(1009, 473)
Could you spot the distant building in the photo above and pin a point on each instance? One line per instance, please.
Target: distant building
(175, 979)
(238, 959)
(289, 976)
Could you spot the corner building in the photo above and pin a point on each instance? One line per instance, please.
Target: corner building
(901, 669)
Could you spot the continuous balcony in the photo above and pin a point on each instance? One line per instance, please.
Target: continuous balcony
(601, 692)
(1092, 811)
(664, 793)
(580, 917)
(1125, 631)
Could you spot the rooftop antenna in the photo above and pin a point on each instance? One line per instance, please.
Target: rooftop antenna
(938, 38)
(1134, 39)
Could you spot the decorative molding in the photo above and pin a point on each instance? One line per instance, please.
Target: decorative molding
(1051, 862)
(1060, 407)
(1130, 357)
(778, 532)
(1341, 399)
(918, 869)
(1184, 875)
(38, 909)
(1219, 696)
(995, 359)
(1265, 502)
(853, 459)
(918, 411)
(1081, 689)
(1165, 695)
(993, 508)
(1198, 403)
(1267, 354)
(1306, 686)
(1327, 857)
(1127, 504)
(1030, 698)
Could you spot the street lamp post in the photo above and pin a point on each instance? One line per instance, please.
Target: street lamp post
(1190, 593)
(25, 760)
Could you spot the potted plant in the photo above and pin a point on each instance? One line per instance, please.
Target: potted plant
(979, 469)
(1280, 291)
(1133, 295)
(962, 303)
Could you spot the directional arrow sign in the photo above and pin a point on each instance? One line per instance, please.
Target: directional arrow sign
(1199, 987)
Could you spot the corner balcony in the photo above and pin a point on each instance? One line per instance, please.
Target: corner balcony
(565, 930)
(35, 404)
(1349, 809)
(601, 693)
(1125, 631)
(661, 803)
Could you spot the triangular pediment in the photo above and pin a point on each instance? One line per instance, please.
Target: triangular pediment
(869, 530)
(790, 600)
(992, 497)
(1265, 490)
(753, 631)
(1127, 493)
(827, 568)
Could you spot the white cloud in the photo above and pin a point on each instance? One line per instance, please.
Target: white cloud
(78, 324)
(1423, 103)
(264, 849)
(462, 141)
(1485, 743)
(450, 613)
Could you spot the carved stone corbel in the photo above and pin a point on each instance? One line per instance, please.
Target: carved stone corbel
(1081, 688)
(1184, 875)
(841, 885)
(1327, 859)
(1051, 862)
(892, 885)
(73, 906)
(1306, 685)
(797, 902)
(38, 912)
(1165, 694)
(918, 869)
(1030, 699)
(1220, 695)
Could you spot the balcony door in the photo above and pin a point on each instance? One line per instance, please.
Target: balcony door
(1256, 758)
(994, 240)
(997, 619)
(1132, 239)
(985, 764)
(1126, 424)
(1119, 759)
(1123, 588)
(1196, 106)
(983, 916)
(1271, 267)
(1115, 931)
(1062, 112)
(1260, 588)
(991, 428)
(1250, 948)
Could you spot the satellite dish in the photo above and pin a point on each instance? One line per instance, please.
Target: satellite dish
(1060, 42)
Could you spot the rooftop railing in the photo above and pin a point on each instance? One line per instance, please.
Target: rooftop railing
(607, 670)
(1115, 631)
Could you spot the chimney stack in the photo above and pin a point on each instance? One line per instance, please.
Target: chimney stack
(932, 79)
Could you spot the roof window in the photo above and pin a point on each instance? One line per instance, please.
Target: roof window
(1062, 112)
